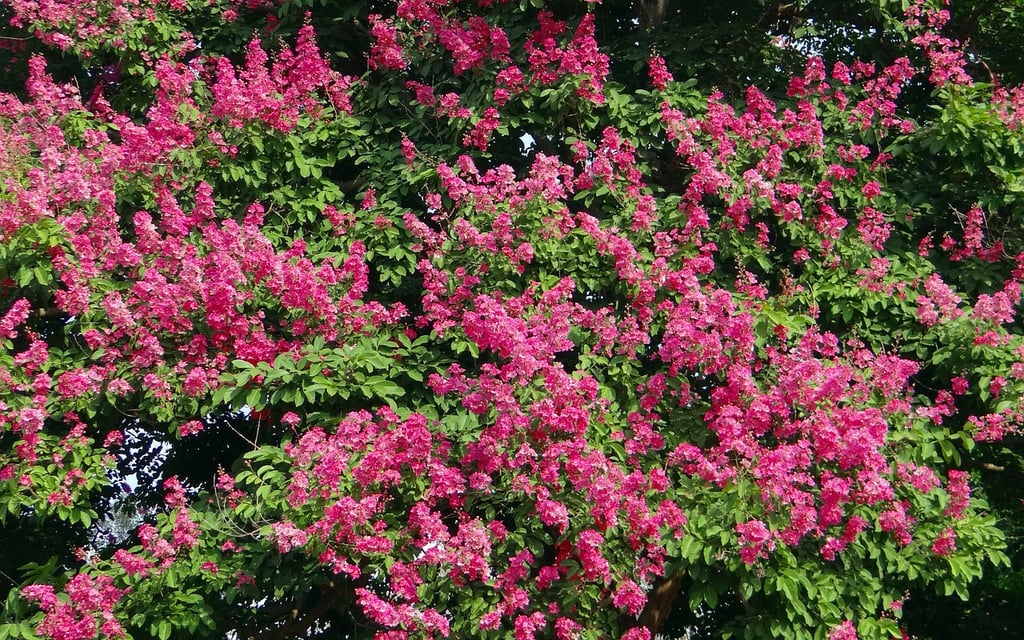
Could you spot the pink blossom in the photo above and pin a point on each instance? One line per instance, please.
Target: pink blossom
(16, 315)
(945, 543)
(527, 626)
(844, 631)
(959, 489)
(567, 629)
(369, 199)
(630, 597)
(896, 521)
(386, 52)
(491, 620)
(288, 536)
(593, 563)
(175, 496)
(658, 72)
(41, 593)
(190, 428)
(755, 540)
(637, 633)
(132, 564)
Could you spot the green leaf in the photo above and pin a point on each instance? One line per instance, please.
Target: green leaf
(384, 388)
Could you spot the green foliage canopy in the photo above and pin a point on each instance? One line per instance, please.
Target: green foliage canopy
(468, 319)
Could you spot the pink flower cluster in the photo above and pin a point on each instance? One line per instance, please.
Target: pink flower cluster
(946, 56)
(88, 613)
(581, 57)
(279, 94)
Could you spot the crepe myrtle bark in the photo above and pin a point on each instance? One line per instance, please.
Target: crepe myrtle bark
(484, 319)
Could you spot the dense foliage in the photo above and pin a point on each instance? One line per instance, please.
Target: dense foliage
(544, 319)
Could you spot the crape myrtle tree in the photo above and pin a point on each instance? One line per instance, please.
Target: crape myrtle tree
(478, 319)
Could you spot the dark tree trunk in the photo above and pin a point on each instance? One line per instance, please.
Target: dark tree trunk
(660, 601)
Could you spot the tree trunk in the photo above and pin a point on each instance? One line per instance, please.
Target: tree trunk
(660, 601)
(651, 12)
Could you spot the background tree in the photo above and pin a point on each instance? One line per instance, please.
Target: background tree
(558, 319)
